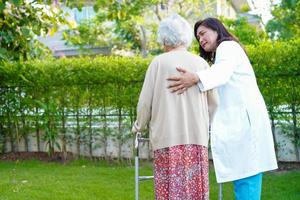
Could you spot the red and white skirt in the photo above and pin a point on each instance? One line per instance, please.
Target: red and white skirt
(181, 173)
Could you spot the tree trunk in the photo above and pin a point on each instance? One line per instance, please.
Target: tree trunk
(77, 133)
(64, 142)
(25, 134)
(90, 128)
(37, 126)
(143, 42)
(50, 139)
(17, 136)
(296, 135)
(23, 131)
(120, 142)
(274, 134)
(105, 133)
(2, 139)
(157, 12)
(10, 132)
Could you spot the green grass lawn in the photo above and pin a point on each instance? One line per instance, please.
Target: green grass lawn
(87, 180)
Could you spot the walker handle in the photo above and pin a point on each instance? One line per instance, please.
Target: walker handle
(137, 136)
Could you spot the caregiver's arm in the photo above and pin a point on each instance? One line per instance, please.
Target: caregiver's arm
(218, 74)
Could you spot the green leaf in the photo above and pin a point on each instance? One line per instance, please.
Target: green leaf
(3, 51)
(2, 6)
(16, 2)
(23, 78)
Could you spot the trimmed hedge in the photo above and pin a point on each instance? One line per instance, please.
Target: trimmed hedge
(277, 67)
(280, 59)
(40, 94)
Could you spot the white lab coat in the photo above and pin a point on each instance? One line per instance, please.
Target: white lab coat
(241, 137)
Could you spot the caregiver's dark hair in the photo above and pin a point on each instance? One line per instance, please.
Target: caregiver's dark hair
(223, 35)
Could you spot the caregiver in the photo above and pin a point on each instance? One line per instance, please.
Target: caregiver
(241, 137)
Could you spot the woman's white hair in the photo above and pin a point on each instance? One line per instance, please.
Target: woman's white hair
(174, 31)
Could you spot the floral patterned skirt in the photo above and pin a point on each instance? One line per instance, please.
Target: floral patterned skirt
(181, 173)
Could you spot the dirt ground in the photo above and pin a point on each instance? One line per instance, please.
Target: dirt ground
(60, 158)
(42, 156)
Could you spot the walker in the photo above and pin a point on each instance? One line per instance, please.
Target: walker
(138, 178)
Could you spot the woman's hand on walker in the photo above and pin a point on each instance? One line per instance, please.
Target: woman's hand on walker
(183, 81)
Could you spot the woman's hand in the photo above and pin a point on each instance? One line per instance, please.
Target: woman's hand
(182, 82)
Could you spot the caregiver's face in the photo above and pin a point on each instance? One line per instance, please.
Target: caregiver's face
(207, 38)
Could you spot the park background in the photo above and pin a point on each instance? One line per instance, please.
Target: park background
(71, 73)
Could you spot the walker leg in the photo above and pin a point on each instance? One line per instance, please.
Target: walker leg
(136, 178)
(220, 191)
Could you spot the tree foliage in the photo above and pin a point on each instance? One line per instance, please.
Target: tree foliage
(286, 22)
(21, 21)
(132, 26)
(245, 32)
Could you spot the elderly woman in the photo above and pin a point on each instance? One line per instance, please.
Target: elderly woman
(178, 124)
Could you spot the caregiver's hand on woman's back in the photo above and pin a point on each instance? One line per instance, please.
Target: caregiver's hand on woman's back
(180, 83)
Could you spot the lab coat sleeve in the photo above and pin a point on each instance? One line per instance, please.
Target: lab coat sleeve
(145, 100)
(213, 102)
(221, 71)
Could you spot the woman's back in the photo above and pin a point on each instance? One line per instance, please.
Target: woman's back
(175, 119)
(178, 123)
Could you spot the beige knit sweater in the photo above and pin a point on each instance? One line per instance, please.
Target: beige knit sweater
(174, 119)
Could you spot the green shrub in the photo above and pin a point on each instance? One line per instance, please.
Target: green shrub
(41, 94)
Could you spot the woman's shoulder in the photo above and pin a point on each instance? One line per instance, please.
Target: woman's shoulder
(172, 55)
(197, 60)
(160, 57)
(200, 59)
(226, 48)
(231, 44)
